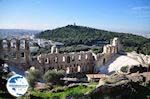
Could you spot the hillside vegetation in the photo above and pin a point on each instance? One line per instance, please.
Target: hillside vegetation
(75, 35)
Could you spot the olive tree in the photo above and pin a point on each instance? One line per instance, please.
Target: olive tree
(53, 76)
(33, 76)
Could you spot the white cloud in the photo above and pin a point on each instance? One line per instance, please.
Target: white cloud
(141, 11)
(141, 8)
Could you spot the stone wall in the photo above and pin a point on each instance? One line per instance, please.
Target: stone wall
(109, 51)
(17, 51)
(70, 62)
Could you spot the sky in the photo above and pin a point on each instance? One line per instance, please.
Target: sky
(115, 15)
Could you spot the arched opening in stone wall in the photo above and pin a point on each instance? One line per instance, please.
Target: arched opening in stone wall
(46, 60)
(79, 58)
(56, 60)
(78, 68)
(86, 56)
(22, 54)
(73, 58)
(68, 59)
(5, 44)
(104, 61)
(13, 44)
(63, 59)
(22, 44)
(72, 70)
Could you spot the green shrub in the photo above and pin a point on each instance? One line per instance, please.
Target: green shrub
(33, 76)
(124, 69)
(53, 76)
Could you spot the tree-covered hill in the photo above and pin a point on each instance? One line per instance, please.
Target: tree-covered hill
(74, 35)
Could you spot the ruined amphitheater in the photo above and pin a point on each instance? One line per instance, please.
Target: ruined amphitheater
(17, 52)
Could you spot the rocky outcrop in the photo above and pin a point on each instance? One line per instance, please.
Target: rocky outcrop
(123, 86)
(135, 62)
(139, 77)
(123, 90)
(143, 59)
(141, 69)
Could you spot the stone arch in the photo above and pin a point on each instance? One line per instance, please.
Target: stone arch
(104, 61)
(5, 44)
(22, 43)
(78, 68)
(79, 57)
(73, 58)
(67, 70)
(24, 48)
(68, 59)
(46, 60)
(63, 58)
(13, 43)
(22, 54)
(86, 56)
(56, 59)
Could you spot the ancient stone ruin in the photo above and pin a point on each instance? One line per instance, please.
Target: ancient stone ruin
(17, 51)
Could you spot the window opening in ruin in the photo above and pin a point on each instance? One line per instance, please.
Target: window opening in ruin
(5, 44)
(72, 70)
(22, 44)
(56, 59)
(73, 58)
(13, 44)
(79, 57)
(46, 60)
(22, 54)
(63, 58)
(104, 61)
(68, 59)
(86, 56)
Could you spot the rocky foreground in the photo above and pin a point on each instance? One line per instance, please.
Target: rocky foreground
(123, 86)
(129, 59)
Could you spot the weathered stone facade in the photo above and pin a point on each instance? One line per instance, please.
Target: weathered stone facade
(17, 51)
(109, 51)
(70, 62)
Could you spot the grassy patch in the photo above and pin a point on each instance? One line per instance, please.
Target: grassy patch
(76, 92)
